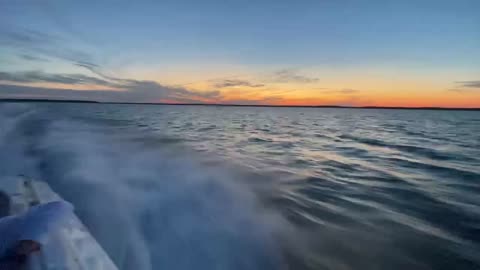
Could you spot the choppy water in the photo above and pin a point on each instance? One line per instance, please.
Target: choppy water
(189, 187)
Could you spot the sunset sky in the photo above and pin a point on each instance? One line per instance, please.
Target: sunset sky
(343, 52)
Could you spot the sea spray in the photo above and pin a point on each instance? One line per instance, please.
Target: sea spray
(150, 205)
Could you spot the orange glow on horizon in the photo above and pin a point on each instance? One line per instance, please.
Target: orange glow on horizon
(380, 93)
(431, 98)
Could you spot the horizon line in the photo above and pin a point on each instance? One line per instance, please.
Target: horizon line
(236, 105)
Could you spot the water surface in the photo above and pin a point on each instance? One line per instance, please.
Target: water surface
(192, 187)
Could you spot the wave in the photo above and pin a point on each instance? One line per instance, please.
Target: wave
(151, 205)
(416, 150)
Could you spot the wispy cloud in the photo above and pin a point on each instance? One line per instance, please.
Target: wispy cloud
(341, 91)
(346, 91)
(134, 90)
(40, 45)
(465, 87)
(32, 58)
(40, 76)
(236, 82)
(141, 92)
(470, 84)
(26, 37)
(291, 75)
(258, 101)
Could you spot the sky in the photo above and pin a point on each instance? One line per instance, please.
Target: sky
(276, 52)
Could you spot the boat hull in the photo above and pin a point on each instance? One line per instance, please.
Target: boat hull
(71, 248)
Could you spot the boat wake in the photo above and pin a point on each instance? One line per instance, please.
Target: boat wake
(151, 205)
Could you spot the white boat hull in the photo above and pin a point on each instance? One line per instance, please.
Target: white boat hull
(71, 248)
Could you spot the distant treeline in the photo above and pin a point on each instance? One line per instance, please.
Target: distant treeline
(238, 105)
(46, 100)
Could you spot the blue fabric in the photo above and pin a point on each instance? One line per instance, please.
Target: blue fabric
(36, 224)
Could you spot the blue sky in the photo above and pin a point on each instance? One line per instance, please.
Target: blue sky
(180, 42)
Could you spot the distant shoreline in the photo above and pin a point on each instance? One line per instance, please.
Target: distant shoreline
(14, 100)
(17, 100)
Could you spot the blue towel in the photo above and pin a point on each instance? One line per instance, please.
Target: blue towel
(36, 224)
